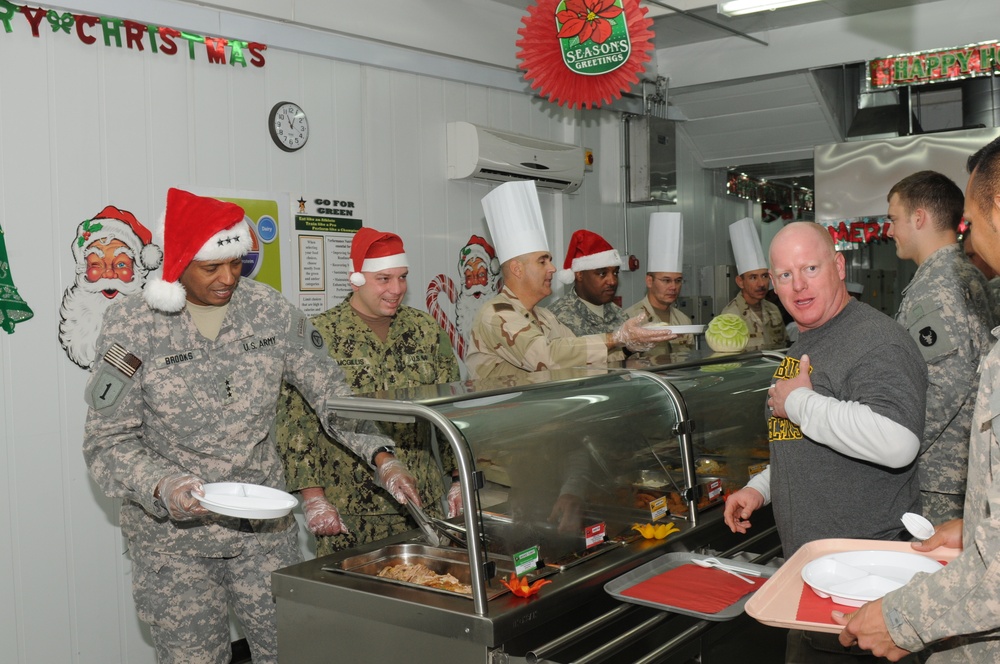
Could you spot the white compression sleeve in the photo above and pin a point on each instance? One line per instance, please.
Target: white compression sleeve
(852, 428)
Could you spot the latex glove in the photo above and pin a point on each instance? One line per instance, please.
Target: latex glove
(322, 518)
(637, 338)
(393, 476)
(179, 494)
(455, 499)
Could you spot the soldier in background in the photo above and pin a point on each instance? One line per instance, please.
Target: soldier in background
(184, 393)
(381, 344)
(953, 615)
(992, 278)
(592, 267)
(664, 279)
(763, 319)
(511, 334)
(947, 310)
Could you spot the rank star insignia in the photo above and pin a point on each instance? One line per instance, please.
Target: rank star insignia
(928, 337)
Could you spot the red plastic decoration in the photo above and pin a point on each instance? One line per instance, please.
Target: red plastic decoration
(589, 21)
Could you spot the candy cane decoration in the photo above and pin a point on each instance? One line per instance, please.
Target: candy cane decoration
(439, 284)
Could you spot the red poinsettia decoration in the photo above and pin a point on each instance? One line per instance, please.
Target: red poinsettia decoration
(584, 53)
(520, 587)
(588, 19)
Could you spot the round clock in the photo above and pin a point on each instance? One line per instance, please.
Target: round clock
(288, 126)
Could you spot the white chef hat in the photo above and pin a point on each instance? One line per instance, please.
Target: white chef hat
(746, 246)
(515, 220)
(666, 242)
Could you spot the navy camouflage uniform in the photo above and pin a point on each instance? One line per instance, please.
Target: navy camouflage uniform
(416, 352)
(946, 308)
(166, 400)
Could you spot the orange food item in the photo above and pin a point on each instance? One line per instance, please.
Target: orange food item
(520, 587)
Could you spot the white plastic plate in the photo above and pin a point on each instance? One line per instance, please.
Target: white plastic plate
(676, 329)
(852, 578)
(247, 501)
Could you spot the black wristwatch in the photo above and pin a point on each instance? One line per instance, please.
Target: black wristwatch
(386, 449)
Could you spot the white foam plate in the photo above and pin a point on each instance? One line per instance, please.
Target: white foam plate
(676, 329)
(852, 578)
(247, 501)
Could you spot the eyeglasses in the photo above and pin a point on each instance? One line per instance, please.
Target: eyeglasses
(668, 281)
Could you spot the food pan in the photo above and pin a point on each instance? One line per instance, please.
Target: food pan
(438, 559)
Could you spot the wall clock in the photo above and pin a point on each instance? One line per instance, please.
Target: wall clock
(289, 126)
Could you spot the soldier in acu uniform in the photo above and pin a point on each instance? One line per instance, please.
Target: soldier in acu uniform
(380, 344)
(946, 309)
(511, 334)
(763, 318)
(953, 615)
(592, 267)
(184, 393)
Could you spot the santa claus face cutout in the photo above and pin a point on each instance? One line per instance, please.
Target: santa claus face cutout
(113, 254)
(479, 276)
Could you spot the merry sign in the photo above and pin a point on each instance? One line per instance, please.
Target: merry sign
(136, 36)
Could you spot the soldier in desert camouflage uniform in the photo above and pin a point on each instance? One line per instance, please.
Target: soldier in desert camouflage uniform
(664, 279)
(591, 266)
(184, 393)
(953, 615)
(946, 309)
(511, 334)
(380, 344)
(763, 318)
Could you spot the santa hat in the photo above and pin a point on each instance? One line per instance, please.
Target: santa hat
(514, 217)
(194, 228)
(114, 224)
(666, 242)
(478, 247)
(372, 251)
(587, 251)
(746, 246)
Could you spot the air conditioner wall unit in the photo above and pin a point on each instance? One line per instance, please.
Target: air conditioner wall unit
(501, 156)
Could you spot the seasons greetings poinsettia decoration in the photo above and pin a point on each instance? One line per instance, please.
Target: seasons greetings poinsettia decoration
(520, 587)
(583, 53)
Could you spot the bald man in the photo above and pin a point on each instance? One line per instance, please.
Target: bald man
(845, 414)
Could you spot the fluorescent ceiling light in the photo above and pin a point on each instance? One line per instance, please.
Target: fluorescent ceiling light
(740, 7)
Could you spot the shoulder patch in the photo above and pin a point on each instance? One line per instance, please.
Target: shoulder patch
(122, 360)
(106, 389)
(502, 306)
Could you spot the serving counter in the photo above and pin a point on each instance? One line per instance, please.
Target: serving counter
(557, 468)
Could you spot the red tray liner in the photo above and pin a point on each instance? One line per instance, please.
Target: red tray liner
(694, 588)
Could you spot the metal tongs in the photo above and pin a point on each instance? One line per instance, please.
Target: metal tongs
(429, 531)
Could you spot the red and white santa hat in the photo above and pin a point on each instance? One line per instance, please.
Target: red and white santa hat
(587, 251)
(372, 250)
(478, 247)
(194, 228)
(114, 224)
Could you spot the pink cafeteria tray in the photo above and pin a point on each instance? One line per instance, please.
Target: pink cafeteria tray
(776, 603)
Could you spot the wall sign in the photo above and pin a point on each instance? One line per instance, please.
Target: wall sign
(862, 230)
(159, 39)
(934, 66)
